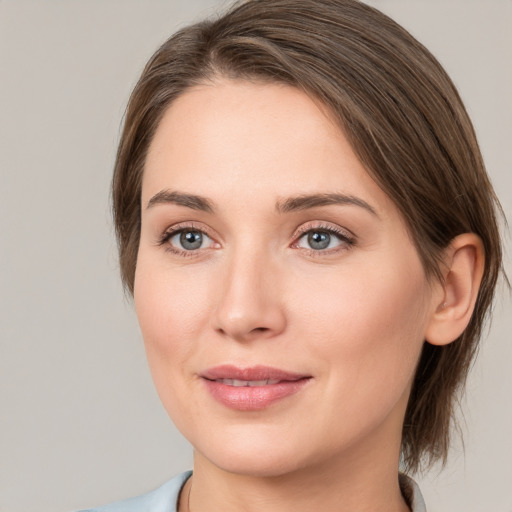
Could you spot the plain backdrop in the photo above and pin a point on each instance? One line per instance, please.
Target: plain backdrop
(80, 423)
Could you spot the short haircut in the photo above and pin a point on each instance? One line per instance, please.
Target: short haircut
(404, 119)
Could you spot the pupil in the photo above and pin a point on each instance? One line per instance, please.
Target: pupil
(319, 240)
(191, 240)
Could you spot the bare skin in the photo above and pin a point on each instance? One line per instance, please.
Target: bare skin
(236, 268)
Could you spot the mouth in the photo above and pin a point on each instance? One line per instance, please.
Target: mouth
(264, 374)
(247, 383)
(252, 389)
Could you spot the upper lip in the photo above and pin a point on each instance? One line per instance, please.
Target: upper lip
(251, 373)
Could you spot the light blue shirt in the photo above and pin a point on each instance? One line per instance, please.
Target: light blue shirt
(165, 498)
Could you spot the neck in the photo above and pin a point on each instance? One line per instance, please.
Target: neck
(331, 487)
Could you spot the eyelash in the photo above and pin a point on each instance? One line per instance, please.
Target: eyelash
(347, 239)
(175, 230)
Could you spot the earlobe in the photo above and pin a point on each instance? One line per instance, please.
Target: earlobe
(464, 260)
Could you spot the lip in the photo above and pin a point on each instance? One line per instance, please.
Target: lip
(254, 397)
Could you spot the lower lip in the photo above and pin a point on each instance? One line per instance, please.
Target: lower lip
(253, 398)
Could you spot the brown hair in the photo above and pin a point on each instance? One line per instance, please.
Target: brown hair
(404, 119)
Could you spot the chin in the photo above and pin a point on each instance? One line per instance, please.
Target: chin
(250, 453)
(260, 466)
(259, 452)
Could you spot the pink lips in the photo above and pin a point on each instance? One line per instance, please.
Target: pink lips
(251, 389)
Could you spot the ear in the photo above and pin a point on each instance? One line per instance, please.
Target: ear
(455, 302)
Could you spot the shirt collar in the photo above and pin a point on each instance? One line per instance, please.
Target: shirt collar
(412, 494)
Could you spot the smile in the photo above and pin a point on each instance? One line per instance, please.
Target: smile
(249, 383)
(252, 389)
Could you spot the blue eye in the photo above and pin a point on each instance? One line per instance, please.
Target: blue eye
(189, 240)
(323, 239)
(319, 240)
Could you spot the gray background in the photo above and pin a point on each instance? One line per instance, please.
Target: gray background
(80, 422)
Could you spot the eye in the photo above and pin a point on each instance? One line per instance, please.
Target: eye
(324, 239)
(318, 240)
(186, 241)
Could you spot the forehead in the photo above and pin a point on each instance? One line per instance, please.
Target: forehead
(236, 140)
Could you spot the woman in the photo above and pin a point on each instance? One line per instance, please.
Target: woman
(306, 225)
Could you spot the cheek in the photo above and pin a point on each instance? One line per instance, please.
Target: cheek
(172, 312)
(170, 305)
(369, 326)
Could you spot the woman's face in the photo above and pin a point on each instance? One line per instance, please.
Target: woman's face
(282, 303)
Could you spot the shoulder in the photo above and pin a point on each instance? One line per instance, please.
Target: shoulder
(163, 499)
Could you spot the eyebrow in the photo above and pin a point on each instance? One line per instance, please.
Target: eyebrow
(188, 200)
(304, 202)
(291, 204)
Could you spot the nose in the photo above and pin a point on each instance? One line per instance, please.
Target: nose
(249, 300)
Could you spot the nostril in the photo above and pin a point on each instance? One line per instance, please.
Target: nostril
(248, 321)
